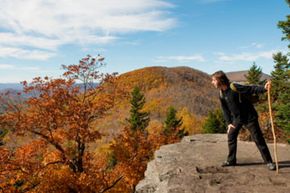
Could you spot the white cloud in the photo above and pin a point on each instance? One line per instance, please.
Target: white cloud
(246, 56)
(12, 39)
(24, 54)
(47, 25)
(16, 67)
(181, 59)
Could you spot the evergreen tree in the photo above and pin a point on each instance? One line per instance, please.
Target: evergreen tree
(280, 75)
(138, 119)
(281, 91)
(283, 112)
(172, 124)
(215, 122)
(254, 74)
(281, 82)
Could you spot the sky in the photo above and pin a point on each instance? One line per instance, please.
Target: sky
(38, 36)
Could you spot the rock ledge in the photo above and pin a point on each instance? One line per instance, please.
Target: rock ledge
(193, 166)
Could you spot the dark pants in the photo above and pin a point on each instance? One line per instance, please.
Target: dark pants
(257, 137)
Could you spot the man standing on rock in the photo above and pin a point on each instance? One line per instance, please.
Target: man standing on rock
(239, 111)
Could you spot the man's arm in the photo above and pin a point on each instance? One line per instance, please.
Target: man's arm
(250, 89)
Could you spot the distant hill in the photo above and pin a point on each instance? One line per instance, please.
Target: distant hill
(10, 86)
(187, 89)
(239, 76)
(177, 86)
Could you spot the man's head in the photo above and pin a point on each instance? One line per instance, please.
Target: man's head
(219, 79)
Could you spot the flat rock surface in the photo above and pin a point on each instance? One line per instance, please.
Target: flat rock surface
(193, 166)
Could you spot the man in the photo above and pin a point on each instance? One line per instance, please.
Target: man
(239, 111)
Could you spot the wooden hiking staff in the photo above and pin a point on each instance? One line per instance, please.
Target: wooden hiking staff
(272, 125)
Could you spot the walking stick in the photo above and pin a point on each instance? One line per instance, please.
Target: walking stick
(272, 125)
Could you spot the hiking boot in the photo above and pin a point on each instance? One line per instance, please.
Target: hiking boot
(227, 164)
(271, 166)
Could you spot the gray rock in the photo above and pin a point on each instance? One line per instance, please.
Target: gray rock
(193, 166)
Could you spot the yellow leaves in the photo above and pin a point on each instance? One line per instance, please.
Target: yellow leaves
(154, 126)
(191, 123)
(153, 105)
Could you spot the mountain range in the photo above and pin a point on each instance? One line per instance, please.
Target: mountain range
(237, 76)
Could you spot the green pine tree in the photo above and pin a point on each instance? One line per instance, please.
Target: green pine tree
(138, 119)
(281, 81)
(283, 112)
(215, 122)
(172, 125)
(254, 74)
(280, 75)
(281, 91)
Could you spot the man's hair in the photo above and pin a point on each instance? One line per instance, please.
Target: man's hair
(221, 77)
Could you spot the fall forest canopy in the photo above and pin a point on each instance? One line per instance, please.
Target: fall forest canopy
(51, 135)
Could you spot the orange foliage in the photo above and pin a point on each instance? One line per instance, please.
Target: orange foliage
(132, 151)
(60, 114)
(59, 118)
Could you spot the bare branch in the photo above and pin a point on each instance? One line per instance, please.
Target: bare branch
(112, 185)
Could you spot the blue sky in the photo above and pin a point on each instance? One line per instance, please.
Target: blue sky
(37, 36)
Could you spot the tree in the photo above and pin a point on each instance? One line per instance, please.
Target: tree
(280, 82)
(280, 75)
(215, 122)
(254, 74)
(172, 125)
(58, 117)
(190, 121)
(283, 112)
(138, 119)
(281, 90)
(132, 150)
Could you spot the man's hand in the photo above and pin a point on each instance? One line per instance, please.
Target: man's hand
(230, 126)
(268, 85)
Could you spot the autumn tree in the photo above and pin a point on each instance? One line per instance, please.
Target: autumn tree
(254, 74)
(132, 150)
(190, 121)
(58, 118)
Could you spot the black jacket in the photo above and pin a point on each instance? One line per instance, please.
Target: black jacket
(237, 109)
